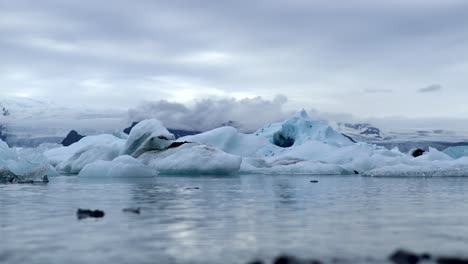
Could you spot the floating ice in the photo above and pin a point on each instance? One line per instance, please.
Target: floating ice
(229, 140)
(89, 149)
(23, 165)
(192, 158)
(61, 154)
(123, 166)
(147, 135)
(299, 145)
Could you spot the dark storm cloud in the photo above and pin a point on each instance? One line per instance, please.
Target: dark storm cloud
(431, 88)
(319, 53)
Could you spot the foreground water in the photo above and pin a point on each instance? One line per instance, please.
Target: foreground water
(232, 219)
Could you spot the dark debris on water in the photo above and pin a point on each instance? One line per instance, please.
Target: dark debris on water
(400, 256)
(132, 210)
(86, 213)
(192, 188)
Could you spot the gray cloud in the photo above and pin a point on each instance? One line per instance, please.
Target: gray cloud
(431, 88)
(206, 114)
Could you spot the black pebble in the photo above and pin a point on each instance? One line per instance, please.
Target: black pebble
(86, 213)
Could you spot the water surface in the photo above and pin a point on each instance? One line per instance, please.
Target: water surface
(232, 219)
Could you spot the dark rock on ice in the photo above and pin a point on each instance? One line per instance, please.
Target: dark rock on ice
(404, 257)
(132, 210)
(313, 181)
(86, 213)
(417, 152)
(356, 172)
(71, 138)
(129, 129)
(7, 176)
(348, 137)
(177, 144)
(44, 180)
(371, 131)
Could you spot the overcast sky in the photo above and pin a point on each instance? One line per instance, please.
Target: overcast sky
(364, 57)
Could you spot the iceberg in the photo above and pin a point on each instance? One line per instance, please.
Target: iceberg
(72, 159)
(23, 165)
(122, 166)
(61, 154)
(300, 129)
(299, 145)
(147, 135)
(192, 158)
(457, 152)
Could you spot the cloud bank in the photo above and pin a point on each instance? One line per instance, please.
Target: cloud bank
(206, 114)
(321, 54)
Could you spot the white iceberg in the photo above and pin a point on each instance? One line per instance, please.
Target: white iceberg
(123, 166)
(147, 135)
(192, 158)
(61, 154)
(76, 156)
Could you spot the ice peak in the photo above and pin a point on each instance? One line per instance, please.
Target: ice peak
(301, 128)
(302, 114)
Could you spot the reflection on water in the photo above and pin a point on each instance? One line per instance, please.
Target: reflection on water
(231, 219)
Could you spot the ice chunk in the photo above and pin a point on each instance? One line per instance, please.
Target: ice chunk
(291, 166)
(229, 140)
(23, 165)
(147, 135)
(192, 158)
(426, 170)
(61, 154)
(301, 128)
(457, 152)
(104, 147)
(123, 166)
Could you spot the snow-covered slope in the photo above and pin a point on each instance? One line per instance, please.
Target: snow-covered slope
(30, 122)
(404, 140)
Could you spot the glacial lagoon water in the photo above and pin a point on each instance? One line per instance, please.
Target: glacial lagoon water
(232, 219)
